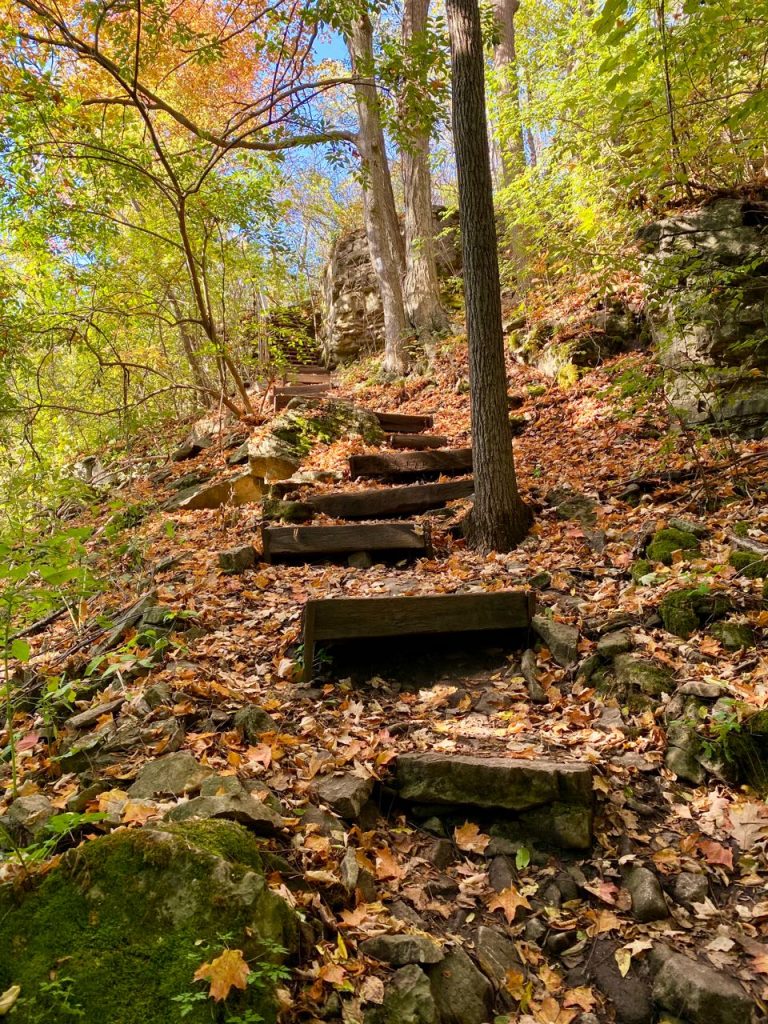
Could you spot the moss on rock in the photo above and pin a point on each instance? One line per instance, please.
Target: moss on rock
(122, 923)
(683, 611)
(642, 567)
(750, 565)
(733, 635)
(665, 543)
(306, 421)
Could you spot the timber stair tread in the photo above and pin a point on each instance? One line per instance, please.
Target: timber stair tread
(396, 464)
(404, 423)
(284, 394)
(416, 441)
(288, 543)
(350, 618)
(375, 502)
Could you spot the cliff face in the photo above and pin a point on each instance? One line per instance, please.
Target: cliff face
(352, 320)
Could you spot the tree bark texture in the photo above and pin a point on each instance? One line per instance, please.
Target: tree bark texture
(499, 519)
(382, 227)
(421, 286)
(511, 144)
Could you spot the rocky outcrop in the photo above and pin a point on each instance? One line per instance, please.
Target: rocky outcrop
(352, 317)
(707, 275)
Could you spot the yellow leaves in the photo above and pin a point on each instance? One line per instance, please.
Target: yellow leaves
(8, 999)
(509, 901)
(602, 921)
(550, 1012)
(228, 971)
(470, 839)
(624, 954)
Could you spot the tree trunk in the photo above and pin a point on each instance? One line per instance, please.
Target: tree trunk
(382, 227)
(188, 344)
(511, 143)
(421, 286)
(499, 519)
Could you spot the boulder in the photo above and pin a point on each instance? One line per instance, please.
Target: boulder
(571, 504)
(684, 610)
(253, 721)
(629, 995)
(26, 819)
(400, 950)
(407, 999)
(496, 953)
(237, 560)
(683, 750)
(236, 490)
(665, 545)
(238, 806)
(345, 794)
(463, 995)
(689, 888)
(734, 636)
(357, 880)
(642, 675)
(173, 775)
(699, 993)
(124, 921)
(561, 640)
(613, 644)
(648, 903)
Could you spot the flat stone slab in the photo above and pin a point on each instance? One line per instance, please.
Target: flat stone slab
(492, 782)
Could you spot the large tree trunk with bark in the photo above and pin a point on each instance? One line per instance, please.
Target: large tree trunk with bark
(382, 227)
(511, 142)
(499, 519)
(421, 286)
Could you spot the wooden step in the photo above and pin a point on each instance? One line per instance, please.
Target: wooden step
(390, 501)
(280, 543)
(417, 441)
(402, 423)
(346, 618)
(392, 464)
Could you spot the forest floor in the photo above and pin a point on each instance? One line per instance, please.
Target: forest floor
(608, 438)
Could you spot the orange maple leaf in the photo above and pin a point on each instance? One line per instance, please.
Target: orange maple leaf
(228, 971)
(470, 839)
(509, 900)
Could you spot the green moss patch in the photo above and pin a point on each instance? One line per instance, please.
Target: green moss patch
(121, 925)
(665, 543)
(684, 611)
(750, 565)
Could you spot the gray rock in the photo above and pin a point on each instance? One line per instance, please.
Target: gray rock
(359, 560)
(572, 504)
(400, 950)
(700, 993)
(239, 807)
(245, 489)
(404, 912)
(237, 560)
(496, 953)
(613, 644)
(500, 873)
(699, 530)
(643, 675)
(561, 640)
(441, 854)
(689, 888)
(702, 690)
(325, 823)
(26, 818)
(357, 880)
(408, 999)
(566, 825)
(530, 673)
(84, 719)
(253, 722)
(222, 785)
(173, 775)
(630, 995)
(157, 694)
(648, 902)
(462, 994)
(345, 794)
(683, 748)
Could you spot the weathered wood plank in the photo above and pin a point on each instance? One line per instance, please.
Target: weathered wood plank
(404, 423)
(388, 464)
(283, 395)
(390, 501)
(349, 618)
(416, 441)
(318, 541)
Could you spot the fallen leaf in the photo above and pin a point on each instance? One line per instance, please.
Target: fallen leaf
(509, 901)
(372, 990)
(470, 839)
(228, 971)
(582, 997)
(715, 853)
(8, 999)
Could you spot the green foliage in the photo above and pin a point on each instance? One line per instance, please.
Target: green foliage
(750, 565)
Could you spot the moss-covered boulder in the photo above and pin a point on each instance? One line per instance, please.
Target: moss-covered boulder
(642, 675)
(753, 566)
(291, 436)
(683, 611)
(117, 930)
(639, 569)
(733, 635)
(665, 543)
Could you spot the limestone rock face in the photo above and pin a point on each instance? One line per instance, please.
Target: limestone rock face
(133, 914)
(708, 314)
(353, 321)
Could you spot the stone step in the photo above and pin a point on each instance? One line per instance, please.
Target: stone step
(390, 501)
(404, 423)
(551, 799)
(395, 464)
(348, 618)
(289, 543)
